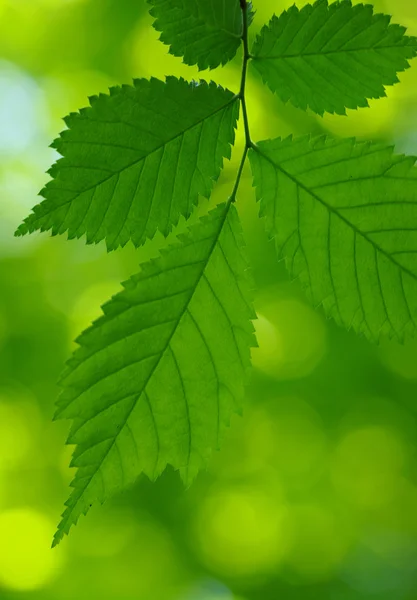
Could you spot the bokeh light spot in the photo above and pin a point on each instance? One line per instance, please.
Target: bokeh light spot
(368, 465)
(149, 567)
(299, 440)
(26, 559)
(319, 543)
(108, 536)
(21, 109)
(15, 436)
(291, 338)
(242, 531)
(282, 438)
(270, 351)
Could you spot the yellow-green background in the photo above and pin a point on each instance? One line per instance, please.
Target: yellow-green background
(314, 495)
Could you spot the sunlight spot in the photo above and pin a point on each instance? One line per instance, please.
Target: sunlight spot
(26, 559)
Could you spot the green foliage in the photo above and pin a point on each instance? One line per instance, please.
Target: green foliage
(343, 214)
(207, 34)
(136, 160)
(156, 379)
(330, 58)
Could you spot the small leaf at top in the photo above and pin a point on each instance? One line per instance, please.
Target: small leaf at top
(136, 160)
(207, 34)
(157, 378)
(331, 57)
(343, 214)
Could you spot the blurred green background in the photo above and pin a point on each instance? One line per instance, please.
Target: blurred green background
(314, 494)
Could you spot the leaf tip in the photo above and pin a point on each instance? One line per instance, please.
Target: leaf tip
(21, 230)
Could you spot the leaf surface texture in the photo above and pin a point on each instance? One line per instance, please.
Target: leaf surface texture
(344, 216)
(156, 379)
(136, 160)
(206, 33)
(331, 57)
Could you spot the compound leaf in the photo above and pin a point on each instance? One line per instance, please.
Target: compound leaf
(156, 379)
(207, 34)
(136, 160)
(331, 57)
(344, 216)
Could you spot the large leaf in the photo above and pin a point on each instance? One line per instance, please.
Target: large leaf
(136, 160)
(331, 57)
(156, 379)
(204, 33)
(344, 216)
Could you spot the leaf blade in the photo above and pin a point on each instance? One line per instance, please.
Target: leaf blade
(344, 217)
(202, 33)
(136, 160)
(156, 379)
(331, 57)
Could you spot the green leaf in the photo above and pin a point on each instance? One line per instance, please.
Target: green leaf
(331, 57)
(344, 216)
(207, 34)
(136, 160)
(156, 379)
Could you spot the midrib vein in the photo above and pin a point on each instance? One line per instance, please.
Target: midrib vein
(134, 404)
(334, 211)
(35, 217)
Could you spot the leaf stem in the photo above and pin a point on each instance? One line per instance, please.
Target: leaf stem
(242, 96)
(239, 175)
(246, 58)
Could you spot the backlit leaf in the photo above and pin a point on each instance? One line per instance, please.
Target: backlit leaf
(156, 379)
(331, 57)
(204, 33)
(135, 161)
(343, 214)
